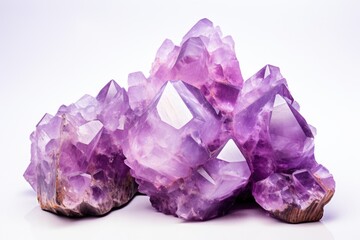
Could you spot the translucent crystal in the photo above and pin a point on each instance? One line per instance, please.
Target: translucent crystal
(77, 164)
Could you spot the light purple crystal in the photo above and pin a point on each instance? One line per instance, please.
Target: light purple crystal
(189, 166)
(77, 164)
(195, 136)
(298, 196)
(175, 156)
(279, 146)
(204, 59)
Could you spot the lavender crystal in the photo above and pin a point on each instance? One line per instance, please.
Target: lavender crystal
(279, 146)
(204, 59)
(182, 157)
(170, 154)
(77, 164)
(193, 135)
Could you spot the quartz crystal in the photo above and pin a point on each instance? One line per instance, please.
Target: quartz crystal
(180, 148)
(193, 135)
(279, 146)
(77, 163)
(204, 59)
(181, 156)
(202, 136)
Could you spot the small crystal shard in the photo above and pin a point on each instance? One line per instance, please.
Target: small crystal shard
(77, 164)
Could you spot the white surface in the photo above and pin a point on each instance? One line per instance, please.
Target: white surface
(53, 52)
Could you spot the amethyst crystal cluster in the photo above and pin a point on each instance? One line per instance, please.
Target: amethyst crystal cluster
(278, 144)
(193, 135)
(77, 162)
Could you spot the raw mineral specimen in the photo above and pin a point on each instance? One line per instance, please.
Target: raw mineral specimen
(194, 141)
(279, 146)
(77, 163)
(204, 59)
(181, 156)
(195, 136)
(180, 148)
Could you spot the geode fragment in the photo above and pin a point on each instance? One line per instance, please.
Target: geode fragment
(77, 164)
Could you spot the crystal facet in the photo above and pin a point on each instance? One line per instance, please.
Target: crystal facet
(77, 165)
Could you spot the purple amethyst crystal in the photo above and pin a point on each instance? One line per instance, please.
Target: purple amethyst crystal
(180, 148)
(77, 164)
(194, 114)
(194, 136)
(298, 196)
(279, 146)
(182, 157)
(204, 59)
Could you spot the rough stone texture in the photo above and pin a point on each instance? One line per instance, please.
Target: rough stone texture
(181, 156)
(279, 146)
(296, 197)
(77, 164)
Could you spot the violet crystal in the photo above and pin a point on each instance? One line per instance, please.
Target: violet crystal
(77, 164)
(204, 59)
(176, 145)
(279, 146)
(180, 148)
(183, 158)
(195, 136)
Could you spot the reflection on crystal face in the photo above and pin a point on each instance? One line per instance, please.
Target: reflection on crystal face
(206, 175)
(283, 122)
(231, 153)
(267, 71)
(88, 131)
(279, 101)
(172, 109)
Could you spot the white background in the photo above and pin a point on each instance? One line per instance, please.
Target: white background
(53, 52)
